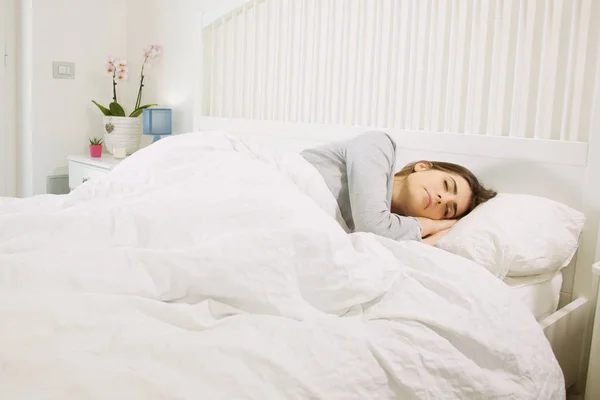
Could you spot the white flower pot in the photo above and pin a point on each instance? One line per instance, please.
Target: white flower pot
(122, 132)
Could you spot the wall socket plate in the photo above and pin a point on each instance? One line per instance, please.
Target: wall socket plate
(63, 70)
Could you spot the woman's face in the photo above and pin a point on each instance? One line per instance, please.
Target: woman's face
(432, 194)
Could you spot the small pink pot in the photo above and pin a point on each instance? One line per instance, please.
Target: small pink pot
(96, 151)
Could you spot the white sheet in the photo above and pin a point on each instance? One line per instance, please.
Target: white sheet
(204, 268)
(540, 293)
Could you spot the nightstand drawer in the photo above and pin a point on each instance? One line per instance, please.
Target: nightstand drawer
(80, 173)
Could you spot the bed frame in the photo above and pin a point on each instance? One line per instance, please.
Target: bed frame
(293, 74)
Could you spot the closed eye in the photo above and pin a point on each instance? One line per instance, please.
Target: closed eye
(455, 185)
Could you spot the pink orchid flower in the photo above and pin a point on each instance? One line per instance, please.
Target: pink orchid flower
(152, 52)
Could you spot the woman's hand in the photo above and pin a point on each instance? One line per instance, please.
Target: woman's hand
(431, 226)
(433, 239)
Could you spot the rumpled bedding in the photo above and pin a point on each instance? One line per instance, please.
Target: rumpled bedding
(207, 267)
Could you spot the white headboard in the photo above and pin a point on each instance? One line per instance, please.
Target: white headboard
(508, 88)
(515, 68)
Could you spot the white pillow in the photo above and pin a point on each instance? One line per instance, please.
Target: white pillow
(517, 235)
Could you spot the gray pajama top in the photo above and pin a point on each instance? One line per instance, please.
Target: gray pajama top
(360, 174)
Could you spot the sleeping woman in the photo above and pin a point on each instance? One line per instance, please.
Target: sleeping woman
(420, 202)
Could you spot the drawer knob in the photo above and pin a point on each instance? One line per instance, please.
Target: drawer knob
(84, 180)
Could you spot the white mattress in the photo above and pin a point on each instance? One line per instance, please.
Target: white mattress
(540, 293)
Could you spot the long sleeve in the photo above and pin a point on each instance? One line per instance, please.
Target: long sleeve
(370, 167)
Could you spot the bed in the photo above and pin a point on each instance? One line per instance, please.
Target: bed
(541, 296)
(572, 313)
(458, 81)
(211, 264)
(208, 265)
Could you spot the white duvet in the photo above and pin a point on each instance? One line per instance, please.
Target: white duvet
(205, 268)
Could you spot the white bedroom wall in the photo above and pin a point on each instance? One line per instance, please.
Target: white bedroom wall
(8, 96)
(3, 98)
(172, 77)
(59, 116)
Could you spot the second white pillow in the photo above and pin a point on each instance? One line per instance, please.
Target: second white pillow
(517, 235)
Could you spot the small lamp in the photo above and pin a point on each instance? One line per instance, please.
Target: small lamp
(157, 122)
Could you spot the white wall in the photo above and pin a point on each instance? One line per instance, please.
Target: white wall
(172, 78)
(60, 116)
(25, 136)
(8, 99)
(3, 98)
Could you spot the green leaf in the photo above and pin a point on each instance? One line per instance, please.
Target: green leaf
(104, 110)
(117, 110)
(138, 111)
(96, 141)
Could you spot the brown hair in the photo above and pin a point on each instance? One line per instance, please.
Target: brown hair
(480, 193)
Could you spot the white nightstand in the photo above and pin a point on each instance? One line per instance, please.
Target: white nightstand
(83, 168)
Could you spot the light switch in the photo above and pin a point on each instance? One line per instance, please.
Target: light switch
(63, 70)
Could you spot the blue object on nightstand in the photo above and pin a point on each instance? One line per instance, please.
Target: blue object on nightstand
(157, 122)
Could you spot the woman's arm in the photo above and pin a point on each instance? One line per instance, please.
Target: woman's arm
(433, 239)
(369, 163)
(432, 226)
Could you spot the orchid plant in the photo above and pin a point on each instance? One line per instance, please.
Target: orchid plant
(119, 71)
